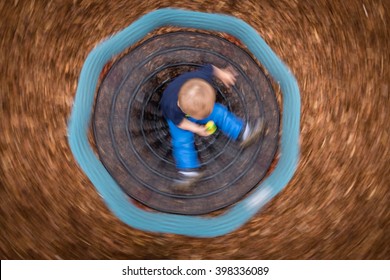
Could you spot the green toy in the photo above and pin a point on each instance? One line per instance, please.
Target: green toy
(211, 127)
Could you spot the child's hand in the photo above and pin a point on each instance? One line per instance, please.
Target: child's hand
(227, 75)
(202, 131)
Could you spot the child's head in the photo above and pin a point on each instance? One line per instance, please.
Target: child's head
(197, 98)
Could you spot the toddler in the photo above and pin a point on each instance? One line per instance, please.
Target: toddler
(187, 104)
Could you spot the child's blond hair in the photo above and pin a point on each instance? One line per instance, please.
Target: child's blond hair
(197, 98)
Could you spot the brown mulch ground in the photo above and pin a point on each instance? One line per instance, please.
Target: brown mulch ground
(337, 205)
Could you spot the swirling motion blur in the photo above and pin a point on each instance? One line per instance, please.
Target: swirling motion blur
(336, 206)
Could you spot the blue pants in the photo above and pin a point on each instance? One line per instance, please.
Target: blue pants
(183, 141)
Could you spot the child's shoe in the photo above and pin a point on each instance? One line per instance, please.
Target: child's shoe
(187, 180)
(252, 134)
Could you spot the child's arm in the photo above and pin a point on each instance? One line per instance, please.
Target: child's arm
(226, 75)
(193, 127)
